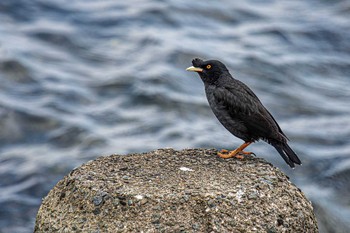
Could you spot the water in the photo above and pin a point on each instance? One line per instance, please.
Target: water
(80, 79)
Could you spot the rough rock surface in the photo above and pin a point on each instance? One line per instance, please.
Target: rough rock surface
(175, 191)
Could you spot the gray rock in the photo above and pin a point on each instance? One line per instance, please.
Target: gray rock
(175, 191)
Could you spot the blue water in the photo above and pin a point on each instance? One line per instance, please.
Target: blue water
(80, 79)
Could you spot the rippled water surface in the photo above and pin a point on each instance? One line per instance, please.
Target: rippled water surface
(80, 79)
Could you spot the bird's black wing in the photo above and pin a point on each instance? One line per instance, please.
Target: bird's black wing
(250, 92)
(243, 105)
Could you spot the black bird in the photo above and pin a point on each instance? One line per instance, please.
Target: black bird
(240, 111)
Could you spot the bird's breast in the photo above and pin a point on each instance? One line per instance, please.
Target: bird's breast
(219, 109)
(226, 117)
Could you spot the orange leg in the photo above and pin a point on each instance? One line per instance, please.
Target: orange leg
(225, 154)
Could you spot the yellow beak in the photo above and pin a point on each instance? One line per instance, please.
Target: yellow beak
(194, 69)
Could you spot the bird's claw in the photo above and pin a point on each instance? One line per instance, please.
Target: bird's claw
(247, 153)
(224, 151)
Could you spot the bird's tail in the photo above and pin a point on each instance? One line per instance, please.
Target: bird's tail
(287, 154)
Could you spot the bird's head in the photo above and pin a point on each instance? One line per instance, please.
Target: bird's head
(209, 71)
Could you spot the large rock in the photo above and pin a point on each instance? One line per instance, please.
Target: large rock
(175, 191)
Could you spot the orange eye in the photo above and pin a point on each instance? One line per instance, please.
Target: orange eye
(208, 67)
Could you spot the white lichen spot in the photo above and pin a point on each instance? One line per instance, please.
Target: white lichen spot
(239, 195)
(138, 197)
(186, 169)
(230, 194)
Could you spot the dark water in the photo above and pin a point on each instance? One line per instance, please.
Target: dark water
(83, 78)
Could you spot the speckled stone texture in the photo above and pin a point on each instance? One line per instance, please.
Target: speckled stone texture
(175, 191)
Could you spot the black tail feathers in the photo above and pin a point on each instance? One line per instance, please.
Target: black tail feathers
(287, 154)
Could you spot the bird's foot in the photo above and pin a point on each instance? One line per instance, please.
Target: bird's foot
(225, 154)
(237, 153)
